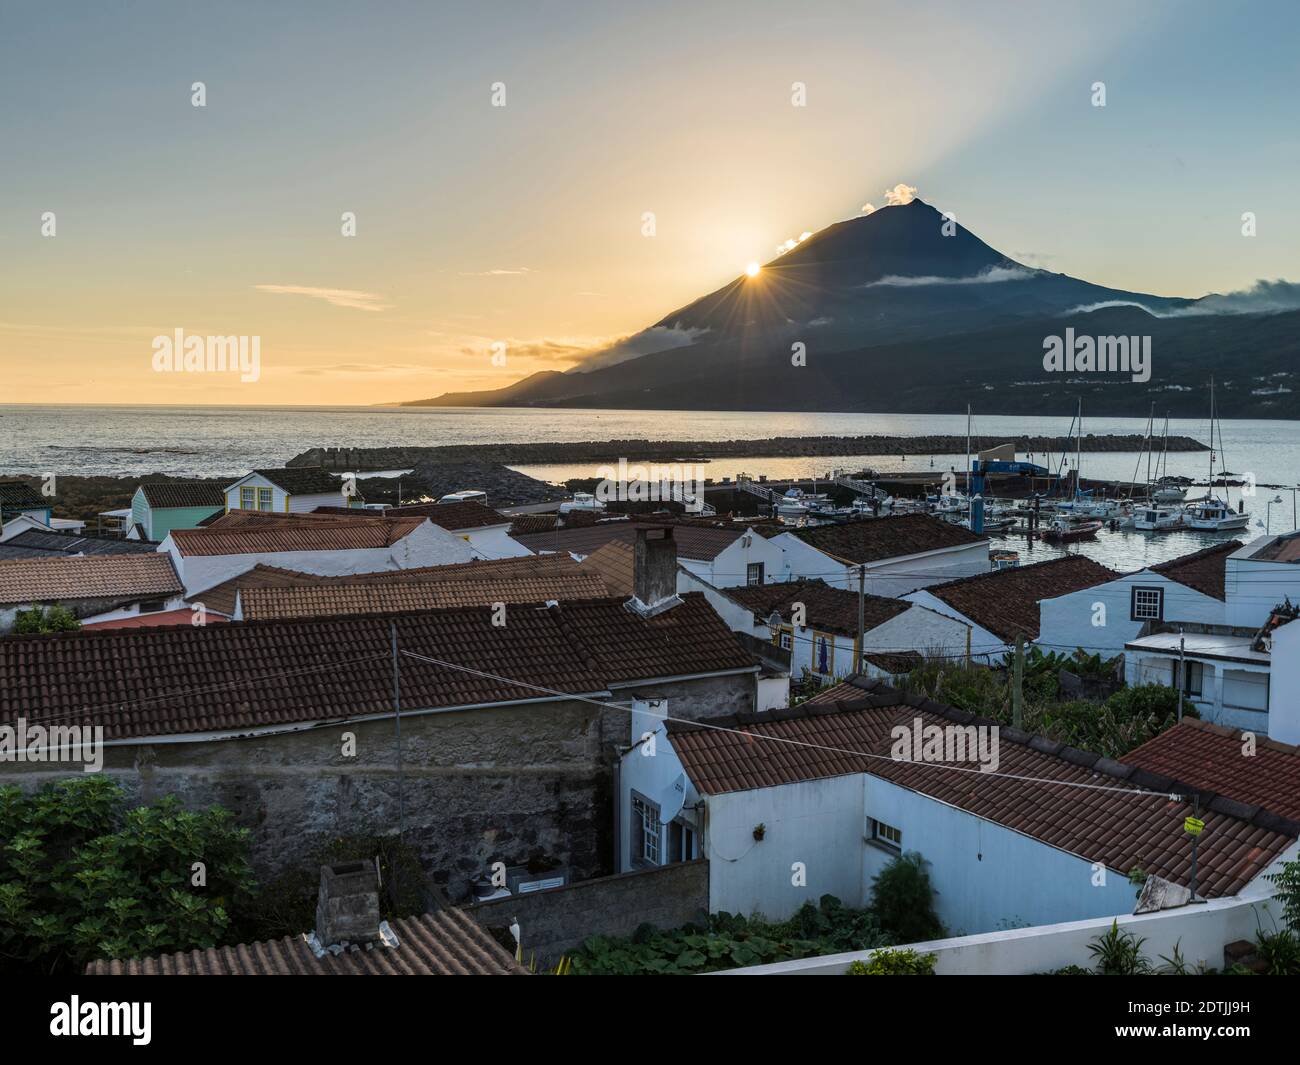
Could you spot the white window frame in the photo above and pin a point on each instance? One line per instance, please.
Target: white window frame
(886, 836)
(1146, 599)
(647, 813)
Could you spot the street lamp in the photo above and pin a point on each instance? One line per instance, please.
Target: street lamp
(774, 623)
(1268, 514)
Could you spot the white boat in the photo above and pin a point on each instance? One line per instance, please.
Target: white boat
(1157, 519)
(581, 501)
(1213, 515)
(1169, 493)
(792, 506)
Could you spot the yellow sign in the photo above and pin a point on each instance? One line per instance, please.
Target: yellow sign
(1193, 826)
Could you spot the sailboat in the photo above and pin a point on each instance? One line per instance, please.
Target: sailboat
(1212, 514)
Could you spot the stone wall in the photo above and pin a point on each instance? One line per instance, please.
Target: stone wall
(517, 784)
(556, 921)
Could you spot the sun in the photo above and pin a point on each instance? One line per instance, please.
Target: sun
(752, 269)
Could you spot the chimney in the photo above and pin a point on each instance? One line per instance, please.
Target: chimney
(654, 571)
(347, 908)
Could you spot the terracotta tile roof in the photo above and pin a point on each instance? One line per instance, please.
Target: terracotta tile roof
(163, 494)
(615, 563)
(1284, 548)
(698, 543)
(1211, 757)
(446, 943)
(302, 480)
(1202, 570)
(63, 578)
(688, 639)
(522, 524)
(398, 596)
(874, 539)
(1005, 601)
(185, 679)
(221, 597)
(467, 515)
(19, 495)
(826, 608)
(1121, 829)
(183, 616)
(895, 663)
(240, 533)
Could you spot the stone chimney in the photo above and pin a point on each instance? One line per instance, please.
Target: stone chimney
(347, 908)
(654, 571)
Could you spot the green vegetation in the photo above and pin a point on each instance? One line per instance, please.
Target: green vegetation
(52, 619)
(1111, 728)
(730, 941)
(902, 911)
(906, 962)
(83, 876)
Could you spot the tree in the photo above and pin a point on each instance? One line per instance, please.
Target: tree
(83, 876)
(50, 619)
(903, 900)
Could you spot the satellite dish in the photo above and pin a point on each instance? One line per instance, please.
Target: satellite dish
(673, 799)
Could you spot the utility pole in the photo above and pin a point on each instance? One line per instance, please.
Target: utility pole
(1196, 813)
(1017, 683)
(1182, 670)
(862, 613)
(397, 722)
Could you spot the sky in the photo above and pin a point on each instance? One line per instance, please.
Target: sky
(519, 231)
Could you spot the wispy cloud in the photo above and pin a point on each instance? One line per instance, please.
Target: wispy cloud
(515, 271)
(1263, 297)
(991, 276)
(338, 297)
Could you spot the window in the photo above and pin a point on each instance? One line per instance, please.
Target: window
(1193, 677)
(1148, 604)
(646, 831)
(152, 606)
(681, 842)
(884, 835)
(787, 640)
(264, 499)
(248, 498)
(754, 573)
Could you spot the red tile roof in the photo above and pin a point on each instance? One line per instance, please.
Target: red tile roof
(875, 539)
(466, 515)
(239, 533)
(221, 597)
(1107, 822)
(1005, 601)
(826, 608)
(400, 596)
(1213, 757)
(615, 563)
(153, 620)
(699, 543)
(445, 943)
(1202, 570)
(65, 578)
(186, 679)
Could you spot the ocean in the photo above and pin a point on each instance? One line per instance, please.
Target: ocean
(213, 441)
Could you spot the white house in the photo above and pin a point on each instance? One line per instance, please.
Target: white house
(897, 555)
(309, 543)
(818, 625)
(1259, 576)
(1225, 674)
(722, 556)
(1001, 604)
(287, 490)
(95, 588)
(483, 528)
(1103, 618)
(794, 804)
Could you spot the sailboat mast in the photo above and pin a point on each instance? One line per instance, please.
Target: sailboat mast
(1210, 489)
(1078, 454)
(966, 482)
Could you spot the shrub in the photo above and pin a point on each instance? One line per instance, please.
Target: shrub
(1119, 953)
(1279, 951)
(902, 898)
(1287, 880)
(895, 962)
(51, 619)
(83, 877)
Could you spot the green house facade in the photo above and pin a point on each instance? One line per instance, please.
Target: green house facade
(160, 507)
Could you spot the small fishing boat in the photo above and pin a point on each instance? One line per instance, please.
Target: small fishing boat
(792, 506)
(1157, 519)
(1213, 515)
(1062, 531)
(1003, 559)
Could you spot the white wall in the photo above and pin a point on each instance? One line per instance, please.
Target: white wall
(730, 567)
(1236, 695)
(987, 876)
(817, 823)
(984, 645)
(892, 577)
(492, 541)
(298, 504)
(1284, 688)
(650, 769)
(426, 545)
(1254, 588)
(1066, 622)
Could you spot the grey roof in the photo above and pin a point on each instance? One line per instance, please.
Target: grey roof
(164, 494)
(302, 480)
(33, 543)
(19, 495)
